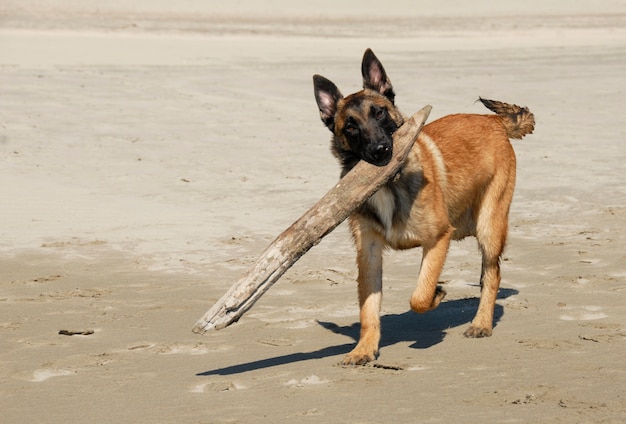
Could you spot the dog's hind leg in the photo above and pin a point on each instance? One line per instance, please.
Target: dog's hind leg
(491, 232)
(427, 295)
(482, 323)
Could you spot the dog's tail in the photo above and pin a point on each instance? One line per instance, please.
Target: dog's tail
(517, 120)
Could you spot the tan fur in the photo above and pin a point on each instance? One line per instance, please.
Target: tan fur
(472, 198)
(457, 181)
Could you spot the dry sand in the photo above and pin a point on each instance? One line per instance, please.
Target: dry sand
(150, 151)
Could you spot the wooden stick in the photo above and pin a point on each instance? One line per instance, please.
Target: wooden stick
(332, 209)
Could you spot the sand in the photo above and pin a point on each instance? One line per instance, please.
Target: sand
(150, 151)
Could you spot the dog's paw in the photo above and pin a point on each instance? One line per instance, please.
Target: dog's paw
(440, 293)
(477, 332)
(359, 357)
(421, 305)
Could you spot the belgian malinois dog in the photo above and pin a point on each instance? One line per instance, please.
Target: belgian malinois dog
(457, 181)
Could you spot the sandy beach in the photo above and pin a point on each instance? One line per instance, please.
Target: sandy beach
(150, 151)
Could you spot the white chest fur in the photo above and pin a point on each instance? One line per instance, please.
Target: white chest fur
(383, 203)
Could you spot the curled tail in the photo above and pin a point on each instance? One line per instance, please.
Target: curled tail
(517, 120)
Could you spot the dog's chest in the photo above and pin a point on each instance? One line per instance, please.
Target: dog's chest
(383, 206)
(390, 210)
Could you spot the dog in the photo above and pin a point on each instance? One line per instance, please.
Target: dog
(457, 181)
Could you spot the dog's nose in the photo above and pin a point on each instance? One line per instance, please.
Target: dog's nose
(380, 150)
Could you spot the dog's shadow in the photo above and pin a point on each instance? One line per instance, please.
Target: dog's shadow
(424, 330)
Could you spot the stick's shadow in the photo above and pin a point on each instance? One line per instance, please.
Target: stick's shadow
(425, 330)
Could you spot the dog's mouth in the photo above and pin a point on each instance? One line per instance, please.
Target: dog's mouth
(379, 155)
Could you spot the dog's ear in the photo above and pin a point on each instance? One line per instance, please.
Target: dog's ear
(374, 75)
(326, 95)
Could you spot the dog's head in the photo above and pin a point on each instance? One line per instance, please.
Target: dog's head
(362, 123)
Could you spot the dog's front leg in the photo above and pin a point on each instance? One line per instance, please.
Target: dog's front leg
(370, 263)
(427, 294)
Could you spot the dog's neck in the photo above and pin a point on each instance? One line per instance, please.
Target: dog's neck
(347, 159)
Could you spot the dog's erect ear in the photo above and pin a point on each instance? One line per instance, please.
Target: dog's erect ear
(326, 95)
(375, 77)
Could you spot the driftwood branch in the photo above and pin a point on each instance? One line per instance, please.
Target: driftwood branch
(332, 209)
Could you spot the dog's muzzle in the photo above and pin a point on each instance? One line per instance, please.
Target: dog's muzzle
(379, 154)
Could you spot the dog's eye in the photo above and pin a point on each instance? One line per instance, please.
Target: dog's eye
(351, 128)
(380, 114)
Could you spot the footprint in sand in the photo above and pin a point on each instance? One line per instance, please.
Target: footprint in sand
(216, 386)
(178, 349)
(583, 313)
(43, 375)
(306, 381)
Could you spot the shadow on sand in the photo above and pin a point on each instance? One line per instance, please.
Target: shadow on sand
(424, 330)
